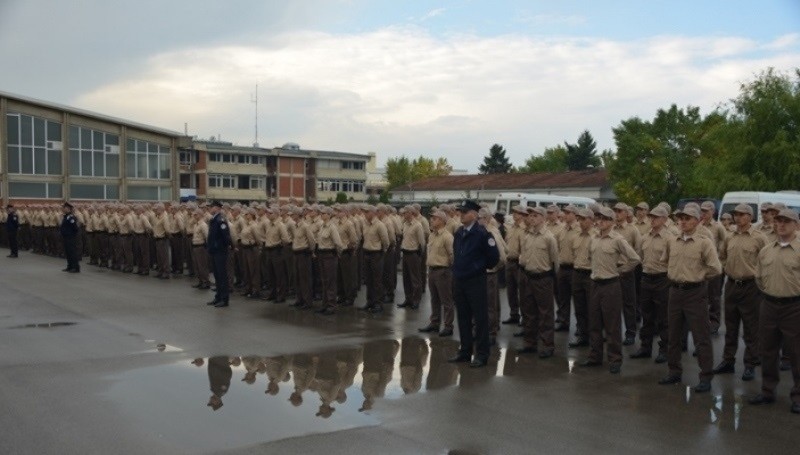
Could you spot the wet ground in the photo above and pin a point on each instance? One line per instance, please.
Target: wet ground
(108, 363)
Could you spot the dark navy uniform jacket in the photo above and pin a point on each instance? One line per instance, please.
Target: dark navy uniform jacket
(219, 235)
(69, 226)
(474, 251)
(12, 223)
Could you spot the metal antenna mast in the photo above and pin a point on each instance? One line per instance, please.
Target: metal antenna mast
(254, 99)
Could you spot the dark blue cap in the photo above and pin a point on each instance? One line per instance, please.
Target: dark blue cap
(467, 205)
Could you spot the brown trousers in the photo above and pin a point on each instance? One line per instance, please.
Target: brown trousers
(373, 272)
(328, 263)
(302, 264)
(605, 313)
(143, 257)
(200, 263)
(115, 240)
(654, 301)
(493, 302)
(276, 272)
(162, 256)
(628, 282)
(714, 303)
(412, 277)
(288, 260)
(581, 290)
(347, 276)
(390, 273)
(176, 251)
(690, 306)
(536, 302)
(127, 252)
(187, 253)
(742, 304)
(440, 281)
(564, 295)
(251, 269)
(779, 324)
(512, 287)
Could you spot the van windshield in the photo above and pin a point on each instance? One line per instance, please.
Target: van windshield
(729, 206)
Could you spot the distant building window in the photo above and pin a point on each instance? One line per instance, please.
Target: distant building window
(81, 191)
(35, 190)
(147, 160)
(149, 193)
(222, 181)
(187, 157)
(347, 186)
(34, 145)
(257, 182)
(353, 165)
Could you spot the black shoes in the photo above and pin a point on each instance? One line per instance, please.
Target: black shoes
(795, 408)
(642, 354)
(461, 358)
(428, 329)
(629, 340)
(546, 354)
(214, 302)
(661, 358)
(511, 320)
(222, 304)
(578, 343)
(561, 327)
(446, 333)
(724, 368)
(477, 363)
(786, 365)
(762, 399)
(74, 270)
(702, 387)
(403, 305)
(12, 256)
(671, 379)
(527, 350)
(519, 334)
(590, 363)
(615, 368)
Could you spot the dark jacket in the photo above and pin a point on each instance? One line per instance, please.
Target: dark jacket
(12, 223)
(219, 235)
(69, 226)
(474, 251)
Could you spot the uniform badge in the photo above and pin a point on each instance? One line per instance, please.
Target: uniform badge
(223, 226)
(492, 242)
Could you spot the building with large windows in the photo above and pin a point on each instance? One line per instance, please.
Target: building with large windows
(53, 152)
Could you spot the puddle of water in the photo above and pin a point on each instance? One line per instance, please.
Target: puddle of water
(44, 325)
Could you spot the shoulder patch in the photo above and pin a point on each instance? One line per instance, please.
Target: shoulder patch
(492, 242)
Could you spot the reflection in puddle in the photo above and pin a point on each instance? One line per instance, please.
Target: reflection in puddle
(44, 325)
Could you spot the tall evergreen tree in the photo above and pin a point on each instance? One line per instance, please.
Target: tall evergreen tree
(496, 162)
(582, 155)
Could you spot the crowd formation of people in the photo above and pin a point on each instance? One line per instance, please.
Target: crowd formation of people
(655, 272)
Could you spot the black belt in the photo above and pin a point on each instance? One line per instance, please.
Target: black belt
(539, 276)
(654, 276)
(160, 238)
(605, 281)
(347, 251)
(272, 248)
(124, 235)
(742, 281)
(439, 267)
(782, 300)
(306, 251)
(327, 251)
(515, 261)
(246, 247)
(372, 252)
(198, 246)
(584, 271)
(411, 251)
(687, 285)
(566, 266)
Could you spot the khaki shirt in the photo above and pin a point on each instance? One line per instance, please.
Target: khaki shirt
(328, 237)
(347, 232)
(303, 237)
(653, 246)
(161, 225)
(582, 258)
(102, 223)
(554, 228)
(539, 251)
(630, 234)
(413, 236)
(778, 272)
(178, 223)
(453, 224)
(249, 233)
(739, 253)
(125, 224)
(718, 233)
(199, 233)
(440, 248)
(514, 236)
(376, 237)
(276, 234)
(113, 223)
(426, 226)
(611, 255)
(692, 259)
(391, 229)
(141, 224)
(501, 248)
(643, 226)
(565, 253)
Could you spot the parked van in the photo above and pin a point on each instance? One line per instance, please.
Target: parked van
(754, 199)
(505, 201)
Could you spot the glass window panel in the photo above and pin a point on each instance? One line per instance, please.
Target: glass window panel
(164, 166)
(141, 166)
(38, 132)
(165, 193)
(99, 142)
(39, 161)
(26, 135)
(27, 160)
(24, 189)
(112, 139)
(141, 146)
(74, 162)
(54, 162)
(53, 131)
(143, 193)
(54, 191)
(130, 165)
(86, 162)
(74, 137)
(152, 166)
(99, 164)
(164, 149)
(13, 160)
(112, 192)
(81, 191)
(86, 138)
(13, 129)
(112, 165)
(130, 146)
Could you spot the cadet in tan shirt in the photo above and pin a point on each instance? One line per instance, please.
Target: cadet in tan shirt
(412, 245)
(539, 264)
(161, 224)
(778, 277)
(199, 252)
(347, 287)
(485, 218)
(389, 277)
(581, 275)
(514, 236)
(718, 234)
(440, 259)
(627, 280)
(303, 245)
(250, 241)
(642, 222)
(376, 242)
(739, 255)
(329, 248)
(654, 288)
(566, 260)
(611, 257)
(692, 261)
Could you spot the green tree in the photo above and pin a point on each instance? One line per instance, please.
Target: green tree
(583, 154)
(384, 197)
(400, 171)
(341, 197)
(496, 162)
(554, 159)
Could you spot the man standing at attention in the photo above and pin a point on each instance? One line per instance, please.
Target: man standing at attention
(219, 242)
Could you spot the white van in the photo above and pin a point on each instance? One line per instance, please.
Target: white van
(505, 201)
(754, 199)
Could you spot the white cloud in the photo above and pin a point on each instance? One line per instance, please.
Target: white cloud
(402, 90)
(433, 13)
(571, 20)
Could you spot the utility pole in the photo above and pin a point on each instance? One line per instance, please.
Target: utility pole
(254, 99)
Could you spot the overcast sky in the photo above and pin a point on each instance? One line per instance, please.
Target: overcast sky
(446, 78)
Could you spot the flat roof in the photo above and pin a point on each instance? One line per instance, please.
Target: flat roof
(91, 114)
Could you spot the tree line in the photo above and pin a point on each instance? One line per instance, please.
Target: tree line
(751, 142)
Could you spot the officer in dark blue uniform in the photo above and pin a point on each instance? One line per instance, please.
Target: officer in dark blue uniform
(219, 242)
(69, 234)
(12, 227)
(474, 250)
